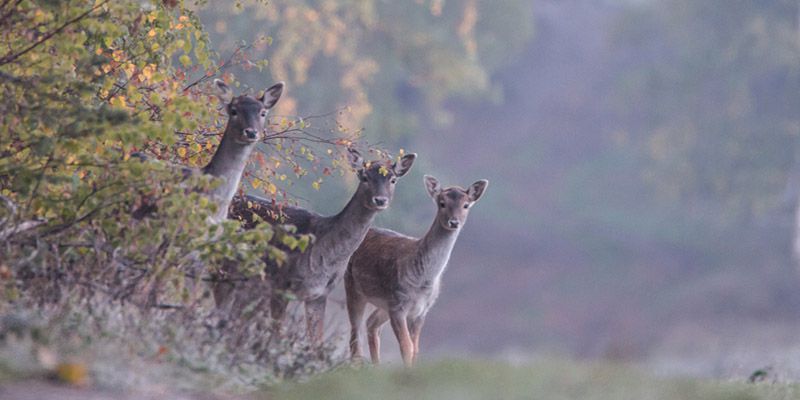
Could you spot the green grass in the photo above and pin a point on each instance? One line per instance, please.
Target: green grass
(465, 380)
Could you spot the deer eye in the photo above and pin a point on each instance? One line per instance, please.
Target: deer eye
(263, 114)
(393, 181)
(441, 204)
(466, 205)
(233, 112)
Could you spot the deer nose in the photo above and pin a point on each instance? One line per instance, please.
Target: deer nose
(380, 201)
(251, 133)
(453, 223)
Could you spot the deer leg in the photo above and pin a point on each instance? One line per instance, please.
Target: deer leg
(374, 324)
(415, 327)
(315, 318)
(400, 328)
(356, 304)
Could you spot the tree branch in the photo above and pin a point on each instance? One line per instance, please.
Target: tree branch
(13, 56)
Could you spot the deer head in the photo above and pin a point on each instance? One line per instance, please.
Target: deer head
(453, 203)
(247, 115)
(377, 179)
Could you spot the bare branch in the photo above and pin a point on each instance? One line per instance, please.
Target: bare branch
(225, 64)
(19, 228)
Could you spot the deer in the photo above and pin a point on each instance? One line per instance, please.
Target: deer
(401, 275)
(309, 276)
(247, 122)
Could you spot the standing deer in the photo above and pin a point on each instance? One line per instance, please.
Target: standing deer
(309, 276)
(401, 275)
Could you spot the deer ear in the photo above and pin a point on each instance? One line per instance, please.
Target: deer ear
(272, 94)
(432, 185)
(224, 91)
(476, 190)
(405, 164)
(356, 161)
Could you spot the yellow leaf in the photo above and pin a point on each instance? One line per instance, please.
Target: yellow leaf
(197, 147)
(118, 101)
(151, 33)
(383, 170)
(72, 373)
(272, 188)
(256, 183)
(98, 51)
(182, 152)
(130, 69)
(315, 185)
(208, 145)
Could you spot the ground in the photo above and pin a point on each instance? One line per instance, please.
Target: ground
(455, 379)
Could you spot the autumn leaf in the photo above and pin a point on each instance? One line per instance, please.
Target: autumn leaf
(73, 373)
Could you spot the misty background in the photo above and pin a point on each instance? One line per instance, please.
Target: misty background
(642, 158)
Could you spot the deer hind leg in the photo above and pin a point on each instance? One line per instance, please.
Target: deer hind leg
(315, 318)
(415, 328)
(400, 327)
(374, 324)
(356, 304)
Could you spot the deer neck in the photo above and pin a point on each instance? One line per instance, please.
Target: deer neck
(227, 164)
(434, 251)
(348, 227)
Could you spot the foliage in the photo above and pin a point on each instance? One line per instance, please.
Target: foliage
(390, 65)
(84, 85)
(714, 102)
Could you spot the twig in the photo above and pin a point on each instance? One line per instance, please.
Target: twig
(221, 67)
(12, 57)
(19, 228)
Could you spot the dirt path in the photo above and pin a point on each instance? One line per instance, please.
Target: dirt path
(39, 390)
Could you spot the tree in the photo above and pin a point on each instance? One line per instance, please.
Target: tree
(714, 93)
(85, 84)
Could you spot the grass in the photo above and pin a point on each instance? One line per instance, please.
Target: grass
(553, 380)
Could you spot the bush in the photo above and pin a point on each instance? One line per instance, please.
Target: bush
(84, 85)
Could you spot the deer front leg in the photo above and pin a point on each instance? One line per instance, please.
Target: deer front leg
(356, 304)
(415, 327)
(315, 318)
(400, 328)
(374, 324)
